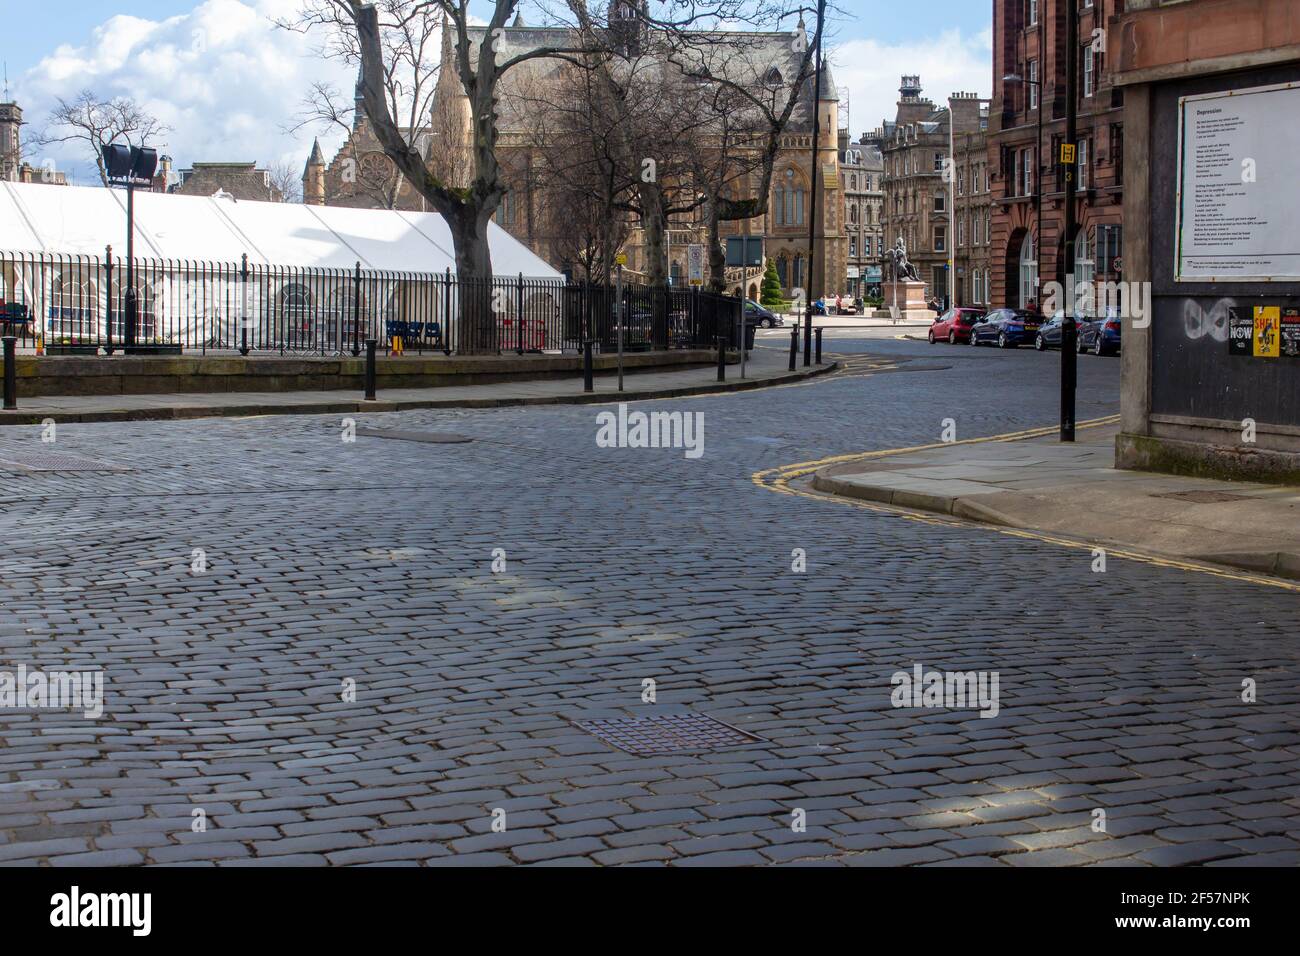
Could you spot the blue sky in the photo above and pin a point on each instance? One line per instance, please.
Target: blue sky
(234, 100)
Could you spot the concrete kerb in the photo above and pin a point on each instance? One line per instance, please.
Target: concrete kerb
(334, 407)
(1276, 563)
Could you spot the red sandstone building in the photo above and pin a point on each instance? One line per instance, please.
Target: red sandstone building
(1029, 43)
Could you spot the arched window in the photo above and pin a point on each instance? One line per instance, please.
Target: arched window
(1028, 271)
(789, 197)
(783, 271)
(72, 317)
(1085, 271)
(296, 322)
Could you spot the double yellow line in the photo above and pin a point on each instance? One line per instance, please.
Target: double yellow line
(778, 479)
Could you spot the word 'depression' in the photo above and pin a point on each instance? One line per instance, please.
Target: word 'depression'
(651, 430)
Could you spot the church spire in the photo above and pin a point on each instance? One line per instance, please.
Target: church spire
(359, 99)
(448, 49)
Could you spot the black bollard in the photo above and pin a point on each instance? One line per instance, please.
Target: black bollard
(794, 344)
(370, 369)
(588, 385)
(818, 332)
(11, 373)
(722, 358)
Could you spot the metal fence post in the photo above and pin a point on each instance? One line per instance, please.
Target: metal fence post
(108, 300)
(11, 373)
(370, 369)
(356, 312)
(447, 317)
(519, 311)
(243, 305)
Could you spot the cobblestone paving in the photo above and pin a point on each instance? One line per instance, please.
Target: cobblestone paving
(371, 562)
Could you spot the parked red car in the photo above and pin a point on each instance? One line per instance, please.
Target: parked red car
(954, 325)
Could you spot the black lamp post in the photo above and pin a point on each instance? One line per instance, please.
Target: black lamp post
(813, 204)
(1069, 173)
(130, 166)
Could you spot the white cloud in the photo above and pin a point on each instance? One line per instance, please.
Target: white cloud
(949, 63)
(223, 77)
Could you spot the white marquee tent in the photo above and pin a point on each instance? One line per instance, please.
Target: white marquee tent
(79, 220)
(299, 291)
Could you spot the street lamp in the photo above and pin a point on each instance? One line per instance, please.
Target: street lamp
(813, 204)
(130, 166)
(1038, 179)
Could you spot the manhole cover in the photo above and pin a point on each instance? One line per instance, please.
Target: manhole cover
(1203, 497)
(666, 734)
(432, 438)
(38, 459)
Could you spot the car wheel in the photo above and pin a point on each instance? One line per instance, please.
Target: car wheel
(974, 340)
(766, 323)
(1099, 349)
(1002, 340)
(1079, 347)
(1039, 343)
(932, 336)
(952, 338)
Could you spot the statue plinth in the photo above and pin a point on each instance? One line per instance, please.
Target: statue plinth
(909, 296)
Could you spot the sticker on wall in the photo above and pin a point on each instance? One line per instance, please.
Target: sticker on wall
(1291, 332)
(1241, 330)
(1267, 340)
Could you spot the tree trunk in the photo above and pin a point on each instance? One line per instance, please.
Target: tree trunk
(476, 324)
(654, 222)
(717, 255)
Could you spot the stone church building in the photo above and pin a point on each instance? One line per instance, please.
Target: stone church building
(360, 175)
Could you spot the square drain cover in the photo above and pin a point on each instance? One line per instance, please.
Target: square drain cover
(433, 438)
(38, 459)
(666, 734)
(1203, 497)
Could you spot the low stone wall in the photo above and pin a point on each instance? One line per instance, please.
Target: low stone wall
(144, 375)
(1201, 459)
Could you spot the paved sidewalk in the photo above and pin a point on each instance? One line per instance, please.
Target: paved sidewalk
(764, 367)
(1043, 485)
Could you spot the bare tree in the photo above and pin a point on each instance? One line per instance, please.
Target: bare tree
(286, 182)
(754, 100)
(410, 34)
(368, 29)
(580, 189)
(653, 128)
(96, 122)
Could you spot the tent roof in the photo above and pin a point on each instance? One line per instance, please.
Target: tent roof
(79, 220)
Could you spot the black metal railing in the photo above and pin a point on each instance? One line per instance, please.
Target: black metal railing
(64, 303)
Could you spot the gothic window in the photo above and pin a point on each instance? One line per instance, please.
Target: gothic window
(1028, 272)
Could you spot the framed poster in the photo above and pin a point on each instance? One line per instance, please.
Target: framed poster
(1238, 211)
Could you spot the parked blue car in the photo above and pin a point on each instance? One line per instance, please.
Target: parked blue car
(1099, 336)
(1006, 328)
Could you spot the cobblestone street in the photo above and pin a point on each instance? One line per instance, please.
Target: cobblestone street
(230, 691)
